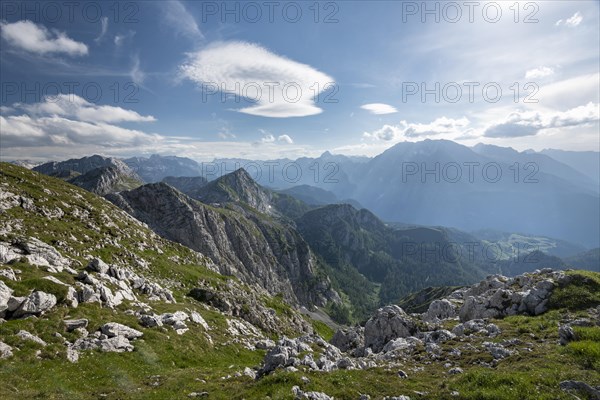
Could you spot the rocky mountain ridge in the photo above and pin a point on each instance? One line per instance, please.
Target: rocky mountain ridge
(255, 249)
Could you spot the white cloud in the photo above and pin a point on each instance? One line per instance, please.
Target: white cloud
(25, 131)
(278, 86)
(574, 20)
(137, 75)
(225, 133)
(530, 123)
(103, 29)
(73, 106)
(285, 139)
(268, 138)
(540, 72)
(379, 108)
(443, 126)
(33, 38)
(120, 38)
(180, 20)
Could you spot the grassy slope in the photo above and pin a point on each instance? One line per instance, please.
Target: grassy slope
(165, 365)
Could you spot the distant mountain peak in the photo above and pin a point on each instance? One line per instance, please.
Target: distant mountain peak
(237, 187)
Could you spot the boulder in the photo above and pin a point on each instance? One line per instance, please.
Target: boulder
(72, 324)
(5, 295)
(439, 336)
(35, 304)
(197, 318)
(299, 395)
(113, 329)
(5, 351)
(401, 345)
(440, 310)
(593, 393)
(24, 335)
(566, 334)
(389, 322)
(97, 265)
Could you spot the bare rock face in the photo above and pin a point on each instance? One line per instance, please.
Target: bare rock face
(389, 322)
(348, 339)
(256, 249)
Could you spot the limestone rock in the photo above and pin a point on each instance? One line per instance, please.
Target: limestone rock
(72, 324)
(440, 310)
(348, 339)
(5, 351)
(35, 304)
(389, 322)
(24, 335)
(113, 329)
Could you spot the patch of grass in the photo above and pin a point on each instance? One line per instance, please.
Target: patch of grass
(587, 353)
(322, 329)
(279, 305)
(587, 333)
(581, 293)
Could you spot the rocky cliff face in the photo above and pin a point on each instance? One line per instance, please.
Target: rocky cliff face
(256, 249)
(104, 180)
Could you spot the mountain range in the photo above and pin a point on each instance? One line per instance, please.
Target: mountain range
(97, 301)
(310, 247)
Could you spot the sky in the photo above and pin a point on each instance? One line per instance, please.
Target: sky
(266, 80)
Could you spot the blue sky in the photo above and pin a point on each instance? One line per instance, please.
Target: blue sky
(169, 73)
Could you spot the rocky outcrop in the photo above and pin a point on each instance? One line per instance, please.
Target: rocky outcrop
(387, 323)
(499, 296)
(439, 310)
(110, 285)
(232, 299)
(111, 337)
(35, 252)
(348, 339)
(300, 395)
(36, 303)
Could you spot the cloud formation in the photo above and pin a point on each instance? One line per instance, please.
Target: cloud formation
(277, 86)
(28, 36)
(69, 120)
(103, 29)
(529, 123)
(73, 106)
(180, 20)
(448, 127)
(539, 72)
(573, 21)
(379, 108)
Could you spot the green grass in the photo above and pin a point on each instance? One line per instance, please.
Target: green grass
(583, 292)
(190, 363)
(322, 329)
